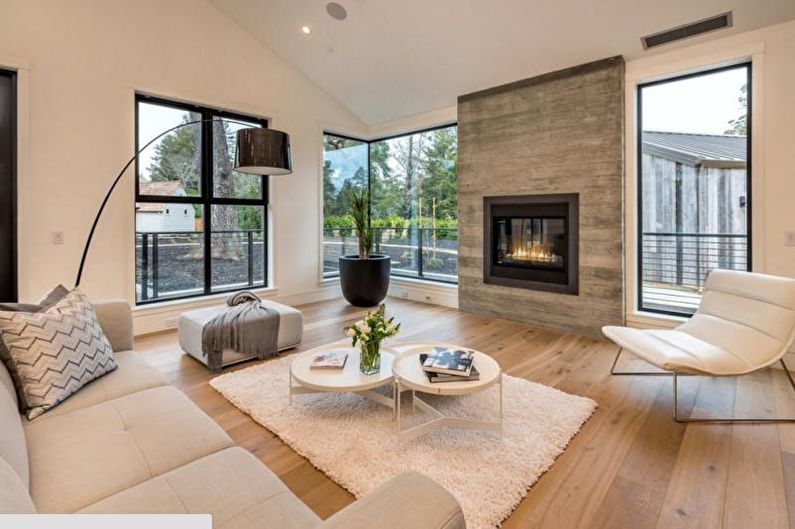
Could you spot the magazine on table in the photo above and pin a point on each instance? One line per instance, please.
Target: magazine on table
(329, 360)
(449, 362)
(459, 376)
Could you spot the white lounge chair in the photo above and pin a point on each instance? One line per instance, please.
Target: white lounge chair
(745, 322)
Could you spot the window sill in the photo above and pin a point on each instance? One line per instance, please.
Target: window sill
(399, 280)
(202, 301)
(642, 319)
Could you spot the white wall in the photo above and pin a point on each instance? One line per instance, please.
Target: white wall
(442, 116)
(80, 63)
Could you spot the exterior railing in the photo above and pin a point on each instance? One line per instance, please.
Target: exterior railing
(675, 266)
(170, 264)
(423, 253)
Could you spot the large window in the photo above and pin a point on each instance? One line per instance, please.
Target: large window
(200, 226)
(413, 210)
(694, 198)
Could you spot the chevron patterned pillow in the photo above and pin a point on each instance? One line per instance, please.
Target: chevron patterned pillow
(55, 352)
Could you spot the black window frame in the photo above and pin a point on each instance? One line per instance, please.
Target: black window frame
(420, 276)
(748, 65)
(207, 198)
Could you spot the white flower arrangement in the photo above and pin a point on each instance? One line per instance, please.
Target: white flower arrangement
(373, 328)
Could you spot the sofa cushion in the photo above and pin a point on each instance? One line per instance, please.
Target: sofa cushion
(13, 448)
(14, 495)
(55, 352)
(115, 318)
(232, 485)
(133, 374)
(52, 297)
(78, 458)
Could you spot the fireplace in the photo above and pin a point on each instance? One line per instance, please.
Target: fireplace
(531, 242)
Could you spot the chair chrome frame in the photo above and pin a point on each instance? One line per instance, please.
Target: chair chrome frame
(701, 419)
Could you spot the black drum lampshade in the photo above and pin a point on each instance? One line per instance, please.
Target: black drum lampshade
(263, 152)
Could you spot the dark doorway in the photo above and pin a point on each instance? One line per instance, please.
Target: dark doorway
(8, 186)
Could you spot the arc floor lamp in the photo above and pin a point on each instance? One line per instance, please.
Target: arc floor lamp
(259, 151)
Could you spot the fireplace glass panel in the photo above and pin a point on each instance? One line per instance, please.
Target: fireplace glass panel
(530, 242)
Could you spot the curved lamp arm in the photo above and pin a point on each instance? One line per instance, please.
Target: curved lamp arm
(121, 173)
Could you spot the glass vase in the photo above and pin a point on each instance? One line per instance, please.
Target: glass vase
(370, 359)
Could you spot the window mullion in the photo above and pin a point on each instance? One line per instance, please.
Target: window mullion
(207, 191)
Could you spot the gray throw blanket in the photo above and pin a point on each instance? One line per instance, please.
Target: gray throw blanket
(246, 327)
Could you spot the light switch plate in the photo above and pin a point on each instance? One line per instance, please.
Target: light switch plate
(789, 238)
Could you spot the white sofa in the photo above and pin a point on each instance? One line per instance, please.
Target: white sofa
(130, 443)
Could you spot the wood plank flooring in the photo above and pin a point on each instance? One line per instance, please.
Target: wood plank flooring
(630, 466)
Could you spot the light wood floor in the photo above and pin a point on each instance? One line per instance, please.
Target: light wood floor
(630, 466)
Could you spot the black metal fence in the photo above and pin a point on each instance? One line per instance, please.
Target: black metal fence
(171, 264)
(424, 253)
(675, 266)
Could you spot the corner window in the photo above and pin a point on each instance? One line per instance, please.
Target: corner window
(219, 242)
(694, 184)
(412, 182)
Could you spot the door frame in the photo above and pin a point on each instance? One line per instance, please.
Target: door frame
(9, 187)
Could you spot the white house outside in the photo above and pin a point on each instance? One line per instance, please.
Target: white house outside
(164, 217)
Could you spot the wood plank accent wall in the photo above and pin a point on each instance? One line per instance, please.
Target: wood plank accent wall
(561, 132)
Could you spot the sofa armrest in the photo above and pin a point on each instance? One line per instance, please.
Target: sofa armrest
(115, 318)
(407, 501)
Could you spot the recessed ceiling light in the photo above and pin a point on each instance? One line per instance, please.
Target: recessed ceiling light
(336, 11)
(306, 29)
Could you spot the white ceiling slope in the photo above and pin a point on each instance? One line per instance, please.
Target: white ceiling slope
(395, 58)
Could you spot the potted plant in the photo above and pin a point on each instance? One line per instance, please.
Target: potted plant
(368, 333)
(364, 277)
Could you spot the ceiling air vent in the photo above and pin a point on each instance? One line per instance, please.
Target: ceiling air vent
(699, 27)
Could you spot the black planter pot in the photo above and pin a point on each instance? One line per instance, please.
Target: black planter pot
(364, 281)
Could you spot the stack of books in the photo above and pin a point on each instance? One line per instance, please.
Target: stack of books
(449, 365)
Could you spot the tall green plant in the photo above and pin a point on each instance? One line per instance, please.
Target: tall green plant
(360, 210)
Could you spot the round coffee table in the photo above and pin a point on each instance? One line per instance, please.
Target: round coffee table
(410, 376)
(305, 379)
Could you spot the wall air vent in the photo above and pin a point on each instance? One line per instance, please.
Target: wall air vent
(699, 27)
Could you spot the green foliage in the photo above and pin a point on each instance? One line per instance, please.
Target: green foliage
(177, 158)
(250, 217)
(739, 126)
(360, 211)
(332, 143)
(413, 181)
(339, 221)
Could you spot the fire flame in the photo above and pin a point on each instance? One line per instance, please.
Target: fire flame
(539, 253)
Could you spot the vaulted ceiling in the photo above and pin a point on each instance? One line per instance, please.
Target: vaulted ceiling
(395, 58)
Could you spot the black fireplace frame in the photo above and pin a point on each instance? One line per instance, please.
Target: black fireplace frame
(572, 202)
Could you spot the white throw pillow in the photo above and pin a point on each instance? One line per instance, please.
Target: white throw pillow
(55, 352)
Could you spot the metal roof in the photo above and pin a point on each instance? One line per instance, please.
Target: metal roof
(708, 150)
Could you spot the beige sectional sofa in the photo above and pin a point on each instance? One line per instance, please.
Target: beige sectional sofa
(131, 443)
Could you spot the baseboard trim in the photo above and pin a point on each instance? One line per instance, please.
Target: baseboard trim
(443, 294)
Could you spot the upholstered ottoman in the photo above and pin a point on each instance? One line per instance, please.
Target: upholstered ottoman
(191, 324)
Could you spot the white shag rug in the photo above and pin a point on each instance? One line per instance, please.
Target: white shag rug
(353, 440)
